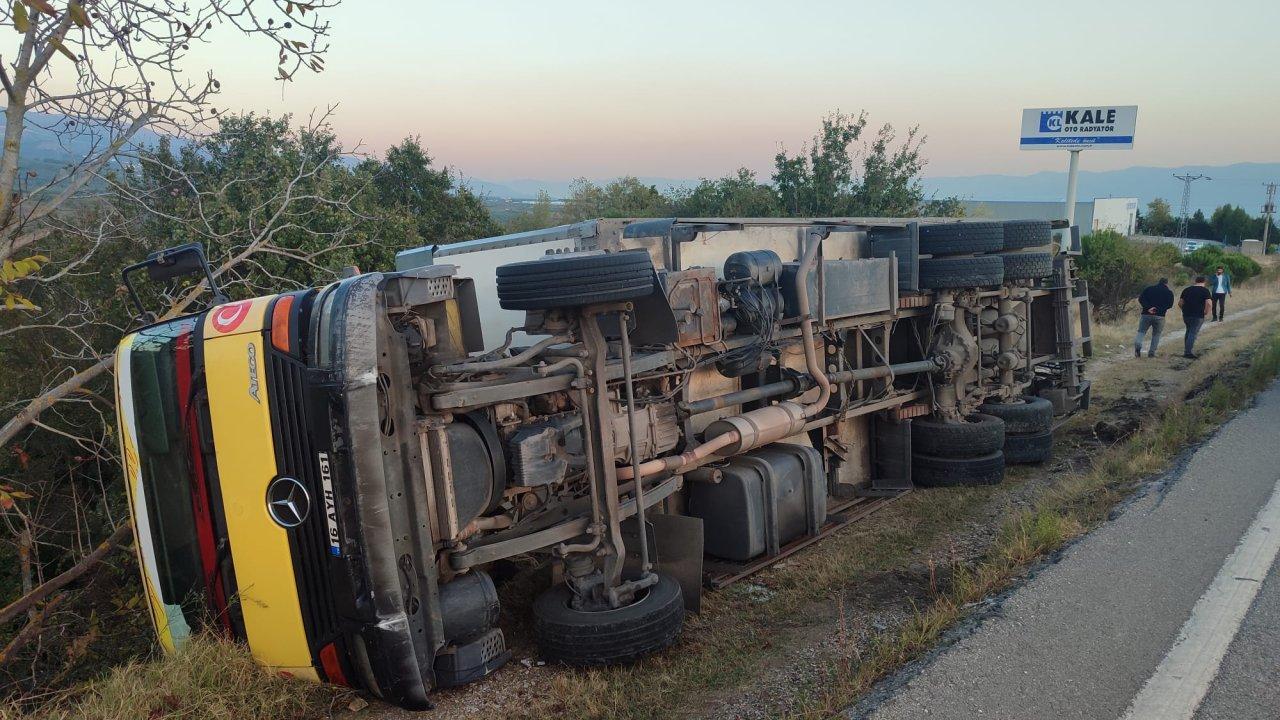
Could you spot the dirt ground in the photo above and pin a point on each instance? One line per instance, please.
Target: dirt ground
(761, 647)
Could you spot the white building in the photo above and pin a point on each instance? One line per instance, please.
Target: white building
(1119, 214)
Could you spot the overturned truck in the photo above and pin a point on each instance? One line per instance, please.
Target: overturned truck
(650, 407)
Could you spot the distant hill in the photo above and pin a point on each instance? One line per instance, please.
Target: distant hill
(48, 149)
(1239, 184)
(527, 189)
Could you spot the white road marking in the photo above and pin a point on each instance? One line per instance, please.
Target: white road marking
(1183, 677)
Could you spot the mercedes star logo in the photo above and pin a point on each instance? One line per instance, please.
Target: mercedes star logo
(288, 502)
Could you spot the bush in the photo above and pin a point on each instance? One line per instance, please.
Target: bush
(1117, 270)
(1206, 259)
(1166, 255)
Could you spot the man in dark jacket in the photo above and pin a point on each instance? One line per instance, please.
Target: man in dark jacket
(1155, 301)
(1196, 303)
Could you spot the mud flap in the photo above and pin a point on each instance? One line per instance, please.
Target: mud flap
(675, 543)
(890, 457)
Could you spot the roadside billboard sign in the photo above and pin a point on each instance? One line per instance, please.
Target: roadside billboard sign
(1076, 128)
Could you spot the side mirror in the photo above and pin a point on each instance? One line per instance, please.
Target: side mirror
(164, 266)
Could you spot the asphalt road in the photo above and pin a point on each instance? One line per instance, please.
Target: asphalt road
(1172, 610)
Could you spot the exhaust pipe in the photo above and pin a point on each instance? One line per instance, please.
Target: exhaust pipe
(740, 433)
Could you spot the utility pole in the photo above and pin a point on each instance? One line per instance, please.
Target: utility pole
(1073, 171)
(1186, 200)
(1268, 209)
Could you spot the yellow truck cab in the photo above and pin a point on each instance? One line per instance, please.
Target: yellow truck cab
(270, 506)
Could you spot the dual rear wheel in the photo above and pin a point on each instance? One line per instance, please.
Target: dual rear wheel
(976, 451)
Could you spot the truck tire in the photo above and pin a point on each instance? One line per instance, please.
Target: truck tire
(1019, 234)
(933, 471)
(961, 238)
(977, 436)
(961, 272)
(608, 637)
(575, 279)
(1027, 265)
(1028, 449)
(1028, 415)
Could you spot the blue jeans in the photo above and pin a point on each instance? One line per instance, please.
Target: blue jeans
(1193, 330)
(1156, 324)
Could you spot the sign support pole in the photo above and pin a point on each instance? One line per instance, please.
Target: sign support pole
(1073, 169)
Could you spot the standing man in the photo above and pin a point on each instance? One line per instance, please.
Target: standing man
(1196, 303)
(1221, 289)
(1155, 301)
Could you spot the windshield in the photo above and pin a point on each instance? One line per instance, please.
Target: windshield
(156, 391)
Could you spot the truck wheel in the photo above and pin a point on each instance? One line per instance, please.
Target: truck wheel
(575, 279)
(961, 238)
(977, 436)
(1027, 265)
(1028, 449)
(961, 272)
(608, 637)
(1020, 234)
(933, 471)
(1028, 415)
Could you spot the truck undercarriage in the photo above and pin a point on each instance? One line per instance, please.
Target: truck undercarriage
(662, 405)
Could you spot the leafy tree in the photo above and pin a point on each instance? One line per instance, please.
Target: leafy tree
(739, 195)
(950, 207)
(624, 197)
(1159, 219)
(890, 181)
(1117, 269)
(1231, 224)
(1198, 227)
(446, 211)
(259, 184)
(540, 215)
(817, 180)
(831, 178)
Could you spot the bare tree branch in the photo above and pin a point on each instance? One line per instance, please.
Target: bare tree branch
(87, 563)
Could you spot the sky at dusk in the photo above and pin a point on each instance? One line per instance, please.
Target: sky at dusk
(558, 89)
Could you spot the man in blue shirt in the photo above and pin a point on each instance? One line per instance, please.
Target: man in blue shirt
(1154, 302)
(1220, 285)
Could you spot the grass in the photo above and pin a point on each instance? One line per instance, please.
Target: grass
(209, 679)
(1118, 334)
(1066, 511)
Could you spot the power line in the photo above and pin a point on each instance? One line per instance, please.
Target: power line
(1268, 209)
(1186, 200)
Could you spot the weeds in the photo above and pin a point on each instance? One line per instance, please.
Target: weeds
(209, 679)
(1058, 516)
